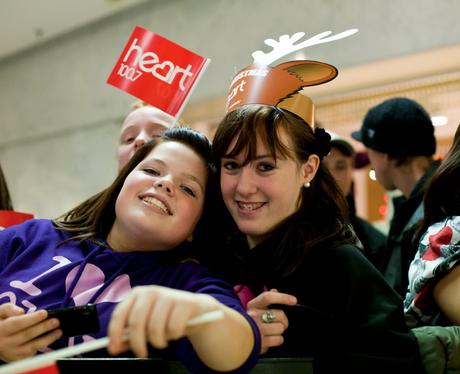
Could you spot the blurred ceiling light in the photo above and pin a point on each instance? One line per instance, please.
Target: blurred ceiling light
(439, 120)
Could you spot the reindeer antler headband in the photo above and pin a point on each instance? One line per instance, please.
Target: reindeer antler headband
(281, 85)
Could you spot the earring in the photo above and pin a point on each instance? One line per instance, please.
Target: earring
(306, 184)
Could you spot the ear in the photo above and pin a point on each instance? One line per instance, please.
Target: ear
(309, 168)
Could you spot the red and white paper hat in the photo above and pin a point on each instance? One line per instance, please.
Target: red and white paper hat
(157, 71)
(282, 85)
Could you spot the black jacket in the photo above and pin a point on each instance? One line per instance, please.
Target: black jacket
(374, 242)
(401, 248)
(350, 320)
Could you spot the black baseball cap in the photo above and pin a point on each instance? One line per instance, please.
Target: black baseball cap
(398, 127)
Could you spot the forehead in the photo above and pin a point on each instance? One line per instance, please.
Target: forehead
(148, 115)
(179, 157)
(336, 153)
(261, 144)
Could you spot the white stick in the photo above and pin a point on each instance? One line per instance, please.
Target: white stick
(206, 317)
(49, 358)
(203, 69)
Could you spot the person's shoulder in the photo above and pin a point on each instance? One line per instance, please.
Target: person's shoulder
(344, 250)
(367, 228)
(347, 257)
(27, 233)
(342, 263)
(338, 253)
(39, 223)
(448, 228)
(31, 226)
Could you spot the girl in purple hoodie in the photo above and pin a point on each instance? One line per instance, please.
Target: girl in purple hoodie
(131, 246)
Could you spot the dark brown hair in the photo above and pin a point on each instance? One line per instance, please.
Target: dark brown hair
(442, 194)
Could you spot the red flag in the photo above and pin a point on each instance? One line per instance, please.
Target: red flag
(51, 369)
(157, 70)
(11, 217)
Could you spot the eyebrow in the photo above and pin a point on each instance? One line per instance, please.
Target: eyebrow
(133, 126)
(195, 179)
(127, 129)
(257, 158)
(185, 175)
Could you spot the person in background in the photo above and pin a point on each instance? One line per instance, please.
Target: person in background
(5, 198)
(141, 125)
(399, 138)
(283, 240)
(340, 163)
(432, 296)
(431, 305)
(131, 247)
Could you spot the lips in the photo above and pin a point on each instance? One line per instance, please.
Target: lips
(158, 202)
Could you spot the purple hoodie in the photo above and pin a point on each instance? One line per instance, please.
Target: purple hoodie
(38, 273)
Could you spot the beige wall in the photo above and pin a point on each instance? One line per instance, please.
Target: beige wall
(59, 120)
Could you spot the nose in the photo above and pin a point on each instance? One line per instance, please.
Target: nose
(246, 182)
(140, 140)
(166, 185)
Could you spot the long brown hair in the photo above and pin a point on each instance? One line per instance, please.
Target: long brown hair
(5, 198)
(442, 194)
(94, 217)
(322, 215)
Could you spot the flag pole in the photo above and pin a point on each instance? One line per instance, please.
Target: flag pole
(198, 78)
(49, 358)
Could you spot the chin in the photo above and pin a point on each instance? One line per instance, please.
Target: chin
(251, 231)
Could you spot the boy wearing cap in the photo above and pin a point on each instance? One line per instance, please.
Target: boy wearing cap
(340, 163)
(399, 137)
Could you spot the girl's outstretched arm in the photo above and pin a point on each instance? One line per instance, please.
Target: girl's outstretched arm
(157, 315)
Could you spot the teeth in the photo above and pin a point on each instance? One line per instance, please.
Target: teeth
(152, 201)
(249, 206)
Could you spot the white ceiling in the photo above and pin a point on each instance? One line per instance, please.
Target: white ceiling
(24, 23)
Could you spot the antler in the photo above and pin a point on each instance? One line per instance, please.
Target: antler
(286, 45)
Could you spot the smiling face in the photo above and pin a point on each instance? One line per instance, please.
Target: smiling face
(262, 193)
(140, 126)
(161, 200)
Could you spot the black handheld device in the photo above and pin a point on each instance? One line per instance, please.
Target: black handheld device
(77, 320)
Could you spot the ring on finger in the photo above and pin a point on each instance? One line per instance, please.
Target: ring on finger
(268, 316)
